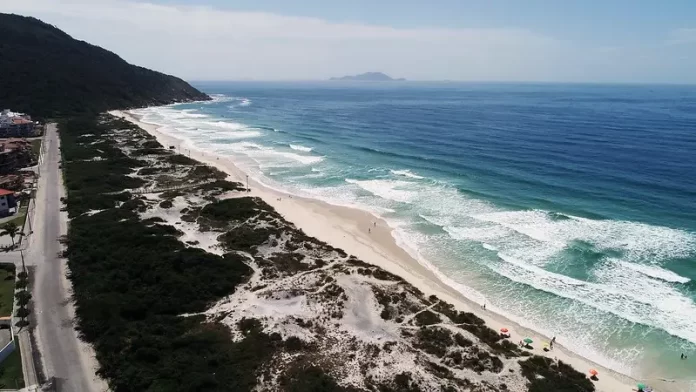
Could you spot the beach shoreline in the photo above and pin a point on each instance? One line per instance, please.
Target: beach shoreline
(371, 239)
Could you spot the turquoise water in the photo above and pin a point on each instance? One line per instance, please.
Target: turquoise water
(569, 208)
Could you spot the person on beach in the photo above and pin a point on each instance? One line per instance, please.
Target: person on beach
(682, 357)
(484, 306)
(369, 230)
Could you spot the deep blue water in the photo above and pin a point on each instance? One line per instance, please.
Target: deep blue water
(570, 208)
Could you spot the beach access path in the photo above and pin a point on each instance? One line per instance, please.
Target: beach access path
(63, 354)
(369, 238)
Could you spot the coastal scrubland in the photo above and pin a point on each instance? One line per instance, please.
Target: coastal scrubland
(183, 282)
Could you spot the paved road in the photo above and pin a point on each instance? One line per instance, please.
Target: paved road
(64, 356)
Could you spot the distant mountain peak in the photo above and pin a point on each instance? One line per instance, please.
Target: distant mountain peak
(369, 77)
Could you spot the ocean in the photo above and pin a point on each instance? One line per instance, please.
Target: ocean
(570, 208)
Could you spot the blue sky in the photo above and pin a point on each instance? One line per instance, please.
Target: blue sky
(605, 22)
(516, 40)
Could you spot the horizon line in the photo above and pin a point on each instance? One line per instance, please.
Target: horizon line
(397, 82)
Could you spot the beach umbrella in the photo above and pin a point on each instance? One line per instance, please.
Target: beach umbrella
(594, 372)
(641, 386)
(504, 330)
(528, 340)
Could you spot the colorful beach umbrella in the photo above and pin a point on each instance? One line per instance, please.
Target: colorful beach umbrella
(528, 340)
(504, 330)
(641, 386)
(594, 372)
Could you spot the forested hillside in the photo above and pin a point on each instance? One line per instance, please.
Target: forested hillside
(47, 73)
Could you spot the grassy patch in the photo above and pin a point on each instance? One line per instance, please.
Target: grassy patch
(7, 281)
(11, 376)
(35, 147)
(21, 215)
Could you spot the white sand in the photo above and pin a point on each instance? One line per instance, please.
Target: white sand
(347, 228)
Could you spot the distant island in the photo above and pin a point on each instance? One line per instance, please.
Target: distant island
(370, 77)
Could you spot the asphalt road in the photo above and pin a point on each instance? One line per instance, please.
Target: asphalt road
(63, 355)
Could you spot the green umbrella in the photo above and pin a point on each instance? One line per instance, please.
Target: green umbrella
(528, 340)
(641, 386)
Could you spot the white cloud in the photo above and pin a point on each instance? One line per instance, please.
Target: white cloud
(198, 43)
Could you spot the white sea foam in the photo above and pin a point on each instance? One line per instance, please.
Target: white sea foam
(300, 148)
(529, 240)
(269, 157)
(181, 114)
(242, 134)
(217, 98)
(489, 247)
(224, 125)
(241, 147)
(388, 189)
(639, 242)
(656, 272)
(412, 242)
(484, 233)
(620, 291)
(303, 159)
(405, 173)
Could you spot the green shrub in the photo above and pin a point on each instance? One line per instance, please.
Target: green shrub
(546, 375)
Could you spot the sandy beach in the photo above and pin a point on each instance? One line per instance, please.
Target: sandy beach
(364, 235)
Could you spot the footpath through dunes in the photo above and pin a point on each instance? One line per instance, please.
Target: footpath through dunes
(208, 288)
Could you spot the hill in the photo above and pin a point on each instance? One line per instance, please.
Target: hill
(47, 73)
(370, 77)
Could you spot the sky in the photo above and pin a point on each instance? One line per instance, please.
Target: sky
(599, 41)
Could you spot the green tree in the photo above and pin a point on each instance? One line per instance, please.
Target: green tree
(22, 312)
(23, 297)
(10, 229)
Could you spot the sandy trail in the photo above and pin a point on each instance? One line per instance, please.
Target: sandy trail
(369, 238)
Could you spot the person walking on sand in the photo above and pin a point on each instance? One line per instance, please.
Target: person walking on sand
(369, 230)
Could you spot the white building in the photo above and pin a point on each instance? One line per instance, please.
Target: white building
(15, 124)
